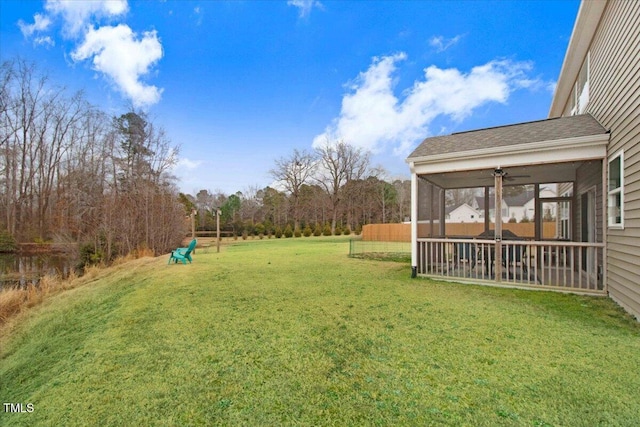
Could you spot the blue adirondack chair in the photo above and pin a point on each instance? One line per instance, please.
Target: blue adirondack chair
(183, 254)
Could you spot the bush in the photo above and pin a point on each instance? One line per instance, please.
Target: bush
(326, 230)
(347, 231)
(307, 231)
(89, 256)
(288, 231)
(297, 232)
(7, 242)
(317, 230)
(358, 230)
(338, 231)
(259, 228)
(278, 232)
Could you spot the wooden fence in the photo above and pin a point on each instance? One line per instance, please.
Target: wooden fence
(402, 232)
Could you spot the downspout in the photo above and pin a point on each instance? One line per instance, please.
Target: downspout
(605, 225)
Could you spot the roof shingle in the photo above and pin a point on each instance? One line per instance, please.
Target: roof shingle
(502, 136)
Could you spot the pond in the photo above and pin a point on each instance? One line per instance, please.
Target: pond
(22, 269)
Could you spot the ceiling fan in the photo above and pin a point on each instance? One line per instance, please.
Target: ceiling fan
(505, 175)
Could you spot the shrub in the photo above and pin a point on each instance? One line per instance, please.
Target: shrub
(259, 228)
(338, 231)
(288, 231)
(347, 231)
(90, 255)
(297, 232)
(358, 230)
(326, 230)
(317, 230)
(307, 231)
(7, 242)
(278, 232)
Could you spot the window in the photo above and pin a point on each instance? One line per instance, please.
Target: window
(616, 191)
(579, 98)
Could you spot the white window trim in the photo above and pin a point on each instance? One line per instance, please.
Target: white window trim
(613, 193)
(576, 106)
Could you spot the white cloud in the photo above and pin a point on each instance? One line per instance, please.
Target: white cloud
(305, 6)
(373, 117)
(115, 51)
(440, 43)
(188, 164)
(119, 54)
(77, 15)
(40, 23)
(44, 41)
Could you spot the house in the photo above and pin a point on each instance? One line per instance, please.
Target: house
(588, 148)
(517, 207)
(463, 213)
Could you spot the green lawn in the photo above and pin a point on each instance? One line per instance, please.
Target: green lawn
(294, 332)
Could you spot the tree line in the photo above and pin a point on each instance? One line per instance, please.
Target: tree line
(330, 190)
(70, 172)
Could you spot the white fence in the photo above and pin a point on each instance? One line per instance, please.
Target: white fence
(568, 266)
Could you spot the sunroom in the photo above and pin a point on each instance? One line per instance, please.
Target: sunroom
(540, 192)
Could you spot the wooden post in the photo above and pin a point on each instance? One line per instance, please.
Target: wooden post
(193, 224)
(218, 212)
(498, 174)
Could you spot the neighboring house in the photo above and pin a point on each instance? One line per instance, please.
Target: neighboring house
(517, 207)
(589, 147)
(463, 213)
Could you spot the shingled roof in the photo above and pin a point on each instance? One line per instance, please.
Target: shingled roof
(522, 133)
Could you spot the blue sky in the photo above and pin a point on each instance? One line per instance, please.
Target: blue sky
(237, 84)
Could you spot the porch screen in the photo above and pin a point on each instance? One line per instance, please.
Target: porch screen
(429, 208)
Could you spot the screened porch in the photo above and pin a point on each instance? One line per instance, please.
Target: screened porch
(518, 217)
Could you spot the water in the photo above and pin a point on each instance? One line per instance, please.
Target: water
(20, 270)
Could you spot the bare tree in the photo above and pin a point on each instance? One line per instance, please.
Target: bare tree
(339, 163)
(293, 172)
(68, 170)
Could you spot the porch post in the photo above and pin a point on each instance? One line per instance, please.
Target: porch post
(498, 173)
(414, 224)
(537, 214)
(443, 212)
(487, 217)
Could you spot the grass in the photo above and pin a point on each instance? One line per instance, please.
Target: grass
(294, 332)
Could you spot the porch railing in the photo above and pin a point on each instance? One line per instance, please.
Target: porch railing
(568, 266)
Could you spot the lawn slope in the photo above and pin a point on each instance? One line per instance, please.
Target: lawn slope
(284, 332)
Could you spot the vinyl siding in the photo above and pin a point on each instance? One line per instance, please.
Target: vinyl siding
(614, 88)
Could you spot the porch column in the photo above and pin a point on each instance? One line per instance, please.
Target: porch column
(537, 214)
(498, 174)
(443, 212)
(414, 224)
(487, 217)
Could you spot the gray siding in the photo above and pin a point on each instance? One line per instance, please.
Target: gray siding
(614, 100)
